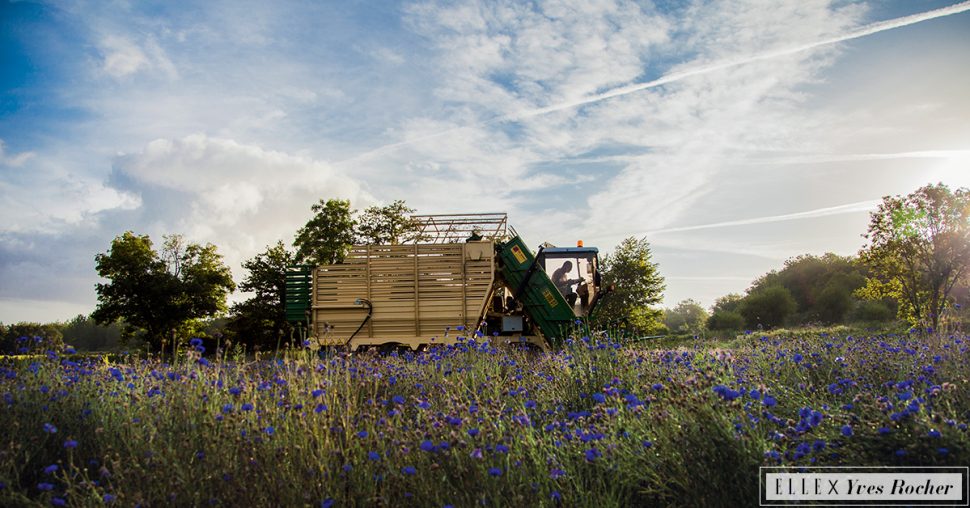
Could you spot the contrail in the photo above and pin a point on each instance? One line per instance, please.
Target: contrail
(863, 31)
(860, 206)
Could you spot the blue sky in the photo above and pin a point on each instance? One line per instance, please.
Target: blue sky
(734, 135)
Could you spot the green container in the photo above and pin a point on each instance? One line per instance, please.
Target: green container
(299, 286)
(541, 299)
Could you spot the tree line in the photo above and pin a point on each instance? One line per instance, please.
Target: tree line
(913, 267)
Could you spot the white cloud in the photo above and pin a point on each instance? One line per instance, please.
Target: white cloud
(237, 196)
(12, 160)
(122, 57)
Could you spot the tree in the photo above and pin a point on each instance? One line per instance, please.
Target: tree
(637, 285)
(687, 317)
(918, 249)
(767, 308)
(326, 238)
(157, 293)
(261, 320)
(727, 303)
(725, 320)
(24, 337)
(387, 225)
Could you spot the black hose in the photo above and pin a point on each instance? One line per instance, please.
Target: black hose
(370, 310)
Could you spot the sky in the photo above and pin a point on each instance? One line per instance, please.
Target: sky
(733, 135)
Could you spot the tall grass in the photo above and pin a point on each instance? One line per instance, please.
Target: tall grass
(597, 423)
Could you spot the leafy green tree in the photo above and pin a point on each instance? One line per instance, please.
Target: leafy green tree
(637, 285)
(156, 294)
(768, 307)
(819, 286)
(687, 317)
(261, 320)
(918, 249)
(387, 225)
(327, 237)
(727, 303)
(86, 335)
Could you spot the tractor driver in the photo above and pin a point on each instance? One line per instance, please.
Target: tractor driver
(564, 284)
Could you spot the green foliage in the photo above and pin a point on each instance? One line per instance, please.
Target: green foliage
(821, 286)
(261, 320)
(326, 238)
(918, 250)
(637, 285)
(24, 337)
(727, 303)
(687, 317)
(155, 294)
(725, 320)
(768, 307)
(387, 225)
(85, 334)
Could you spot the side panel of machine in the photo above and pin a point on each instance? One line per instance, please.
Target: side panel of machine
(413, 292)
(532, 286)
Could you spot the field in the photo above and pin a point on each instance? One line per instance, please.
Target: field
(600, 423)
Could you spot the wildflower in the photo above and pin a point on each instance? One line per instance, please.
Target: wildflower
(270, 430)
(501, 448)
(556, 473)
(50, 469)
(70, 443)
(476, 453)
(556, 496)
(942, 451)
(409, 470)
(50, 429)
(58, 501)
(47, 487)
(107, 498)
(473, 432)
(373, 456)
(647, 444)
(495, 471)
(320, 408)
(530, 404)
(900, 452)
(599, 398)
(247, 407)
(362, 434)
(397, 399)
(769, 401)
(592, 454)
(934, 433)
(427, 446)
(846, 430)
(327, 503)
(316, 393)
(657, 387)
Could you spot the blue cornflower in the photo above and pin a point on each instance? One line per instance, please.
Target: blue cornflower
(70, 443)
(195, 342)
(424, 404)
(884, 430)
(58, 501)
(397, 399)
(327, 503)
(51, 469)
(592, 454)
(247, 407)
(501, 448)
(107, 498)
(935, 433)
(427, 446)
(556, 473)
(316, 393)
(270, 430)
(373, 456)
(556, 496)
(530, 404)
(409, 470)
(769, 401)
(227, 408)
(320, 408)
(846, 430)
(942, 451)
(47, 487)
(647, 444)
(797, 358)
(599, 398)
(495, 471)
(472, 432)
(657, 386)
(50, 429)
(900, 452)
(362, 434)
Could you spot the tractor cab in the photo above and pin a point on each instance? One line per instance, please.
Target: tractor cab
(575, 272)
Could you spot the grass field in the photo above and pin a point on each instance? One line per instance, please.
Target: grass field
(597, 424)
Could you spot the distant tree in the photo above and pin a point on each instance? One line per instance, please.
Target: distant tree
(387, 225)
(918, 249)
(155, 293)
(85, 334)
(819, 286)
(723, 320)
(638, 285)
(727, 303)
(687, 317)
(261, 320)
(768, 307)
(327, 237)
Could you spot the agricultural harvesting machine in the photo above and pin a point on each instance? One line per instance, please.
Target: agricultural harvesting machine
(470, 275)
